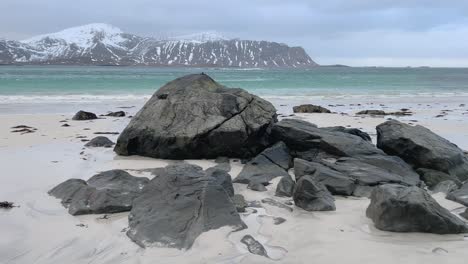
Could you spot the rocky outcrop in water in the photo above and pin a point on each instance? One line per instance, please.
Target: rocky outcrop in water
(194, 117)
(411, 209)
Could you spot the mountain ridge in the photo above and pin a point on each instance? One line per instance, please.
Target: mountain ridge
(104, 44)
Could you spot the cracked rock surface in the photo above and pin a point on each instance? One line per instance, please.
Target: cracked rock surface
(195, 117)
(178, 205)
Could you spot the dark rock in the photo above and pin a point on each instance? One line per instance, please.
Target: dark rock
(65, 125)
(309, 108)
(106, 133)
(285, 187)
(432, 177)
(107, 192)
(335, 181)
(254, 246)
(222, 178)
(178, 205)
(199, 119)
(312, 195)
(278, 220)
(256, 186)
(116, 114)
(6, 205)
(352, 131)
(308, 142)
(271, 163)
(422, 148)
(276, 203)
(371, 112)
(82, 115)
(410, 209)
(460, 195)
(239, 202)
(100, 141)
(465, 214)
(446, 187)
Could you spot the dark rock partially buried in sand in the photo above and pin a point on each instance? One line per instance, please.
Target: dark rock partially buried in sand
(285, 187)
(422, 148)
(309, 108)
(312, 195)
(195, 117)
(254, 246)
(177, 206)
(116, 114)
(411, 209)
(271, 163)
(83, 115)
(256, 186)
(6, 205)
(100, 141)
(381, 112)
(107, 192)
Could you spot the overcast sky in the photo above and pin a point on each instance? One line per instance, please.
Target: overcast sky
(352, 32)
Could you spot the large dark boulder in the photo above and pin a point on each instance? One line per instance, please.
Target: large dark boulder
(399, 208)
(107, 192)
(312, 195)
(195, 117)
(422, 148)
(308, 142)
(83, 115)
(100, 141)
(460, 195)
(271, 163)
(178, 205)
(309, 108)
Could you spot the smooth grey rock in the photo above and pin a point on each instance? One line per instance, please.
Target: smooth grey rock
(239, 202)
(107, 192)
(432, 177)
(100, 141)
(254, 246)
(256, 186)
(335, 181)
(177, 206)
(308, 142)
(309, 108)
(276, 203)
(83, 115)
(285, 187)
(460, 195)
(422, 148)
(194, 117)
(116, 114)
(446, 187)
(352, 131)
(223, 163)
(312, 195)
(222, 178)
(400, 208)
(271, 163)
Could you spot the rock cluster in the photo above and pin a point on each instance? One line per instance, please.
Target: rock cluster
(309, 108)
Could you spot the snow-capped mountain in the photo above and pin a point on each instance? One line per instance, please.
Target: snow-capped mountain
(103, 44)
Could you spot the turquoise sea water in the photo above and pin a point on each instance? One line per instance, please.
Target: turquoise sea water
(37, 83)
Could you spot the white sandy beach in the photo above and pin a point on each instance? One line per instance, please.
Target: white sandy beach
(40, 230)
